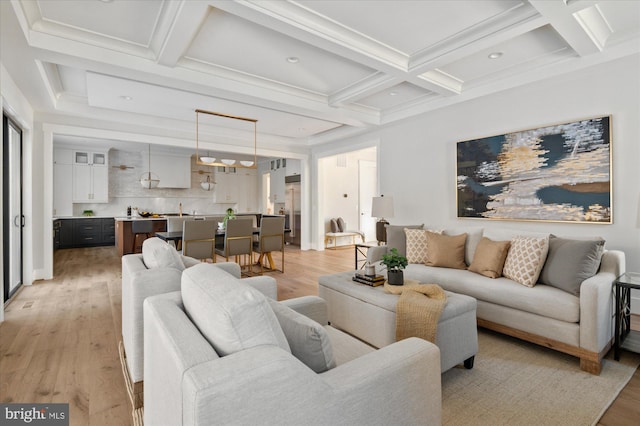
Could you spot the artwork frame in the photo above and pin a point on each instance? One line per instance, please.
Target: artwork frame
(552, 173)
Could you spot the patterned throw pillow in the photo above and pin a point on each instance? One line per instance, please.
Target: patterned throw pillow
(416, 245)
(525, 259)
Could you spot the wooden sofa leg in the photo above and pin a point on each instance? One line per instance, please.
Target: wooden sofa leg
(591, 366)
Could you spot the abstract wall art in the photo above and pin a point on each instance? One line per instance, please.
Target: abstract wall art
(559, 173)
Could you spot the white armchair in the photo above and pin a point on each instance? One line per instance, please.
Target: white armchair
(156, 271)
(262, 382)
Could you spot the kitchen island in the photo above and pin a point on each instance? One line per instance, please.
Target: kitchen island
(124, 235)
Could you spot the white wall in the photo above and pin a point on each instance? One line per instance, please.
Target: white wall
(425, 189)
(417, 156)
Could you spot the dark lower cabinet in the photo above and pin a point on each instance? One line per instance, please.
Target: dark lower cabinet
(89, 232)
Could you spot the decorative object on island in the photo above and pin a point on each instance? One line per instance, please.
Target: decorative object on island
(87, 213)
(382, 207)
(559, 173)
(149, 180)
(395, 263)
(207, 160)
(230, 215)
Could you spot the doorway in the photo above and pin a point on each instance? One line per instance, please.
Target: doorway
(13, 222)
(347, 184)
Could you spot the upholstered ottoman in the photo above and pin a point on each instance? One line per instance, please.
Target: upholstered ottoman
(369, 313)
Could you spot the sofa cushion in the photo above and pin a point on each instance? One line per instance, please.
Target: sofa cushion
(308, 340)
(489, 257)
(334, 225)
(525, 259)
(446, 250)
(342, 227)
(570, 262)
(416, 241)
(157, 253)
(543, 300)
(474, 234)
(230, 314)
(396, 237)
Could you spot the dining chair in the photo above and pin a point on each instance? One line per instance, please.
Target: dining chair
(270, 239)
(238, 240)
(199, 239)
(140, 227)
(175, 224)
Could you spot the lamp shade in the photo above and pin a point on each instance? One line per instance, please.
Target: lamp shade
(382, 207)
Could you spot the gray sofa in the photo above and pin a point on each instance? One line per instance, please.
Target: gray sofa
(220, 352)
(157, 270)
(579, 324)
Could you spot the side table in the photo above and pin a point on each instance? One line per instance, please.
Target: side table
(624, 283)
(361, 250)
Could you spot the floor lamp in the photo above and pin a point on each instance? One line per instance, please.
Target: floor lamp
(382, 207)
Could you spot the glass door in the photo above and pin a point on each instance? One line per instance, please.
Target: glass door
(12, 206)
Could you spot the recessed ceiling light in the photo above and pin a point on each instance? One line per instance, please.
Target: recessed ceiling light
(495, 55)
(293, 59)
(126, 98)
(106, 1)
(393, 93)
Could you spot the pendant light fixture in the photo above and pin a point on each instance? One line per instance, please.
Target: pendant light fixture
(207, 160)
(207, 185)
(149, 180)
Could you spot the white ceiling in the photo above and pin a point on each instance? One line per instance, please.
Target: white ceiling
(360, 64)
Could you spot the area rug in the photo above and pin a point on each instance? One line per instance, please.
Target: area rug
(518, 383)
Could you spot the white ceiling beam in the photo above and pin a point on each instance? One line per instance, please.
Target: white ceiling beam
(296, 21)
(198, 80)
(181, 23)
(562, 19)
(363, 88)
(51, 79)
(482, 36)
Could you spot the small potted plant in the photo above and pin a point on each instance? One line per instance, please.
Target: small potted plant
(395, 263)
(230, 215)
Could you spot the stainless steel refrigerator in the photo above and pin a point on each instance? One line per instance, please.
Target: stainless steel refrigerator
(292, 208)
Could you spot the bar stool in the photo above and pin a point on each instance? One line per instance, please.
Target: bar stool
(140, 227)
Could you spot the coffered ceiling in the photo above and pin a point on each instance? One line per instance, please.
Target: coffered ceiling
(310, 71)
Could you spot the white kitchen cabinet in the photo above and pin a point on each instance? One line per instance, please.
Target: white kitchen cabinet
(294, 167)
(90, 158)
(62, 156)
(90, 177)
(247, 184)
(174, 171)
(62, 182)
(226, 190)
(277, 190)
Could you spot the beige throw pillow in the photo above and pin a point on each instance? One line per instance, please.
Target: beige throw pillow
(525, 259)
(489, 257)
(445, 251)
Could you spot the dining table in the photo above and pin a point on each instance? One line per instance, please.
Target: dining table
(176, 237)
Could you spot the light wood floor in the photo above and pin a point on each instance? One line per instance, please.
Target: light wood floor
(59, 340)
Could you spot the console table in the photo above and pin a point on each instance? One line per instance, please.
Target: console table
(624, 336)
